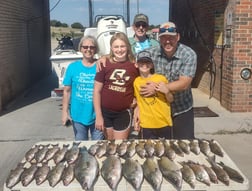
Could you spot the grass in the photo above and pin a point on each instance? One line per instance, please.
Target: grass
(58, 32)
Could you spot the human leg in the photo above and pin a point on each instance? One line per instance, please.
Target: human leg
(80, 131)
(183, 125)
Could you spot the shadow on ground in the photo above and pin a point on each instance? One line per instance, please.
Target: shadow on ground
(37, 92)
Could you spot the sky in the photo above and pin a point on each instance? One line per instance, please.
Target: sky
(70, 11)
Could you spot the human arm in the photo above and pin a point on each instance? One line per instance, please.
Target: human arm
(99, 122)
(101, 62)
(183, 83)
(136, 119)
(65, 105)
(163, 88)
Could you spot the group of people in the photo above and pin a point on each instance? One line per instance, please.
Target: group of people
(143, 83)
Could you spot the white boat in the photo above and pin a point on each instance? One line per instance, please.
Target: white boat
(62, 56)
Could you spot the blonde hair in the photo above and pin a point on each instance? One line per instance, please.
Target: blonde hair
(92, 39)
(124, 38)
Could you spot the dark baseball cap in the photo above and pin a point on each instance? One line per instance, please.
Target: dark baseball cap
(141, 18)
(144, 56)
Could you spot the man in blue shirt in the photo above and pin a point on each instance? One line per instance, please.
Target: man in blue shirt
(141, 40)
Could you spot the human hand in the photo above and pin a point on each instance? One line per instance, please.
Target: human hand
(99, 123)
(162, 87)
(66, 119)
(148, 89)
(100, 62)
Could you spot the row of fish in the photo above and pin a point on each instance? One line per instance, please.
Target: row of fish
(81, 164)
(158, 148)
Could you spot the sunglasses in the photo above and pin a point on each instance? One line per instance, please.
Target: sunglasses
(143, 24)
(88, 47)
(170, 29)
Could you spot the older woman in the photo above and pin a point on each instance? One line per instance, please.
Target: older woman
(78, 92)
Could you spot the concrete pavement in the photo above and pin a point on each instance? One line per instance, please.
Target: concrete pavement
(35, 117)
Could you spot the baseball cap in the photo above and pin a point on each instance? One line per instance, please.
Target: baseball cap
(141, 17)
(168, 28)
(144, 56)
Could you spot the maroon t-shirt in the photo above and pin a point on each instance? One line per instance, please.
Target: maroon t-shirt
(117, 93)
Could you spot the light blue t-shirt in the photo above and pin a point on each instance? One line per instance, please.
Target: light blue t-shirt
(81, 80)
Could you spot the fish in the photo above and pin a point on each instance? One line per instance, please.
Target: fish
(28, 174)
(73, 153)
(93, 148)
(220, 172)
(184, 146)
(204, 147)
(30, 154)
(133, 173)
(169, 152)
(101, 150)
(194, 146)
(140, 150)
(131, 149)
(152, 173)
(60, 154)
(51, 152)
(171, 172)
(40, 155)
(111, 148)
(41, 173)
(212, 175)
(176, 148)
(188, 174)
(54, 175)
(86, 169)
(111, 171)
(159, 148)
(215, 148)
(232, 173)
(68, 174)
(122, 148)
(14, 176)
(200, 173)
(149, 147)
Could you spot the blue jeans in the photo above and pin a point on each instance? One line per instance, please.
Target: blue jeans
(81, 132)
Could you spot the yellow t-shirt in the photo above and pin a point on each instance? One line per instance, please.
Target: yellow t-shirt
(155, 112)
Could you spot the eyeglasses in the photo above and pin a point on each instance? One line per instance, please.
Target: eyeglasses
(170, 29)
(88, 47)
(143, 24)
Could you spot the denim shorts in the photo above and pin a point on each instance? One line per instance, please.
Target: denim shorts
(82, 132)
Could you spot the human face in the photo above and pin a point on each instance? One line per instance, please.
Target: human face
(140, 28)
(88, 49)
(119, 50)
(169, 43)
(144, 67)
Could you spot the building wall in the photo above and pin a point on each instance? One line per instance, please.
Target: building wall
(206, 26)
(24, 46)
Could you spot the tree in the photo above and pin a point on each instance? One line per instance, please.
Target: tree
(77, 25)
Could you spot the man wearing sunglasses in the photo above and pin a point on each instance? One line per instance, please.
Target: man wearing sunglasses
(141, 40)
(178, 63)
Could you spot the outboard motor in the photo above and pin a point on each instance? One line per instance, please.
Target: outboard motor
(106, 28)
(64, 43)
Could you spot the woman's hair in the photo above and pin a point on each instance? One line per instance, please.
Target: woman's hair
(124, 38)
(91, 38)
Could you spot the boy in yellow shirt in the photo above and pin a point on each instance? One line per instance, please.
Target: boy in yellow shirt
(153, 114)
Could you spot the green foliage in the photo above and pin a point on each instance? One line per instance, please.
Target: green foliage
(77, 25)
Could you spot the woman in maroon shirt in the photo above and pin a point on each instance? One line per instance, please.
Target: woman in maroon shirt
(113, 89)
